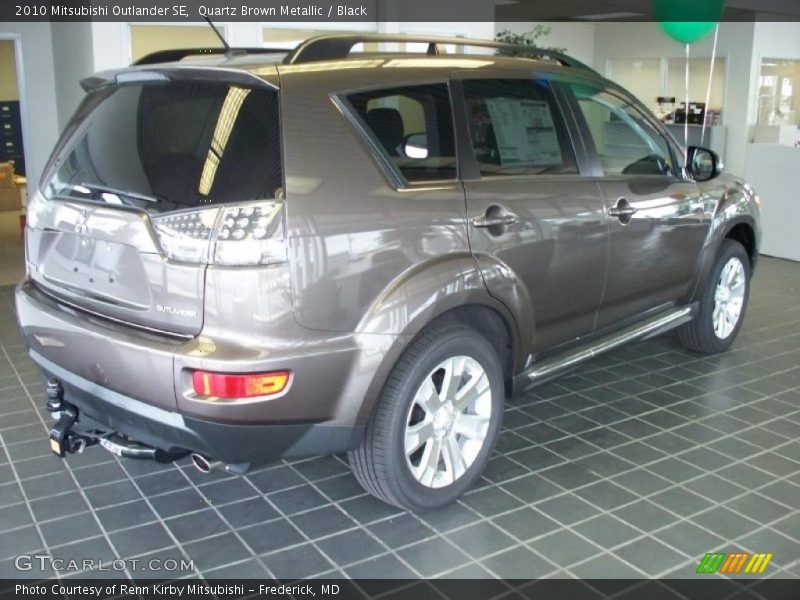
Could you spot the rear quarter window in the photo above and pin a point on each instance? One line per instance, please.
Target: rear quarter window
(413, 127)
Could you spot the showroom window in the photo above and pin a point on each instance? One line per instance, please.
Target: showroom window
(146, 39)
(413, 126)
(516, 129)
(779, 92)
(625, 141)
(660, 83)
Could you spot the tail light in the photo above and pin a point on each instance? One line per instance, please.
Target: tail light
(242, 234)
(225, 386)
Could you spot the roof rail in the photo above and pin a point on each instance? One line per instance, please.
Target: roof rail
(163, 56)
(339, 46)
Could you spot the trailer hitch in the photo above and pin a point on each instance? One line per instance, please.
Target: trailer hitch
(62, 438)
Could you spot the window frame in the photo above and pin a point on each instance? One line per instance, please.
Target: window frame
(375, 149)
(677, 172)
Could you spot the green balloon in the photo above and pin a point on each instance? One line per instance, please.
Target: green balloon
(687, 32)
(688, 20)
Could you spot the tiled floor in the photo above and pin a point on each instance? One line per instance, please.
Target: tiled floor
(636, 465)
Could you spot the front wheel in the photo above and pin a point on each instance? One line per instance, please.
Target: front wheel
(434, 427)
(722, 303)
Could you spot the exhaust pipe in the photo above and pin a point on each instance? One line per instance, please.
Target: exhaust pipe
(204, 464)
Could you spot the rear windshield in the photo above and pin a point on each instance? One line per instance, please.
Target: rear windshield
(171, 145)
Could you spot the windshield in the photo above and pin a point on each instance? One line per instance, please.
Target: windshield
(171, 145)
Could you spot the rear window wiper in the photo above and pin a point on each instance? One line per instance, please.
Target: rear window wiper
(93, 188)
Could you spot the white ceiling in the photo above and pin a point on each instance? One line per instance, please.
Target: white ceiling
(543, 10)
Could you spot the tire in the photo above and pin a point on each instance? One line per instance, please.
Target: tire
(705, 333)
(410, 409)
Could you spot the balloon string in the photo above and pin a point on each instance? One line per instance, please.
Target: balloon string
(686, 113)
(708, 91)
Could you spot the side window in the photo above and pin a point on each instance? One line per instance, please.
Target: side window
(414, 127)
(516, 128)
(626, 142)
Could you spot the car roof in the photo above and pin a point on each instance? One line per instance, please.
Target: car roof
(334, 52)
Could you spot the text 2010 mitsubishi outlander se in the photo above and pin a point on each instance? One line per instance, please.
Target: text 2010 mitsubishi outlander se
(260, 254)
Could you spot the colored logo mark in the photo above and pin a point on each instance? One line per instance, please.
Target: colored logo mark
(734, 563)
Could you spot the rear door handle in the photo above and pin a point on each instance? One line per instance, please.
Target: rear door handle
(485, 221)
(622, 211)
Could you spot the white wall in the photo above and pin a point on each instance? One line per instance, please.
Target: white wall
(72, 61)
(576, 38)
(39, 112)
(647, 40)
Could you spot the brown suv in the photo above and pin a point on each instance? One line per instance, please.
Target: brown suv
(256, 254)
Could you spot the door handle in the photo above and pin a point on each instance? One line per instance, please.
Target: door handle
(623, 211)
(485, 221)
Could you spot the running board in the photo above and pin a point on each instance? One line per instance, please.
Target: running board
(652, 327)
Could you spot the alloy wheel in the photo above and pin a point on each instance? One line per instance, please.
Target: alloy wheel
(729, 298)
(448, 421)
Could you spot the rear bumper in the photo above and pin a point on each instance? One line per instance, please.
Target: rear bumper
(171, 431)
(124, 380)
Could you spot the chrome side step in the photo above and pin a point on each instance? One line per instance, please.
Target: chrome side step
(540, 371)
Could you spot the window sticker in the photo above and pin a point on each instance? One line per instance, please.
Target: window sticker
(524, 131)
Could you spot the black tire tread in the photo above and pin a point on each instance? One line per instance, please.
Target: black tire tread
(697, 335)
(369, 461)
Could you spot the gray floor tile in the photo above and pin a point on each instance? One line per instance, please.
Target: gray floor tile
(70, 529)
(387, 566)
(642, 482)
(519, 562)
(606, 495)
(567, 509)
(644, 515)
(141, 539)
(564, 548)
(607, 531)
(350, 547)
(526, 523)
(125, 515)
(401, 530)
(271, 537)
(196, 525)
(606, 566)
(681, 501)
(216, 551)
(481, 539)
(725, 523)
(689, 538)
(532, 488)
(248, 512)
(491, 501)
(433, 556)
(323, 521)
(20, 541)
(650, 555)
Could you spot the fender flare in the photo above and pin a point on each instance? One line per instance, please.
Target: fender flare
(411, 302)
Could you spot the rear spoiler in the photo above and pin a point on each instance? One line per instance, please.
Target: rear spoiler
(160, 74)
(165, 56)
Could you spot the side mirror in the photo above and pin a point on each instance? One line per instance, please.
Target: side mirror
(415, 145)
(702, 163)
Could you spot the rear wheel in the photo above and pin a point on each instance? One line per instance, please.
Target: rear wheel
(722, 303)
(431, 433)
